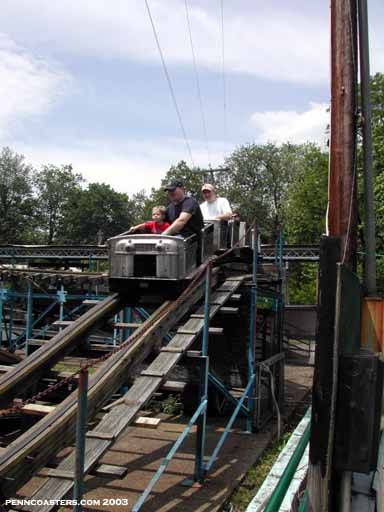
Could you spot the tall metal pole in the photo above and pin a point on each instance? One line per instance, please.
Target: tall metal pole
(369, 199)
(28, 331)
(342, 211)
(203, 387)
(81, 426)
(251, 342)
(341, 225)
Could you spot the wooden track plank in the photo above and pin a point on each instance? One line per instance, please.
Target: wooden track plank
(38, 409)
(163, 363)
(143, 421)
(111, 470)
(219, 298)
(174, 386)
(180, 341)
(120, 416)
(229, 311)
(127, 325)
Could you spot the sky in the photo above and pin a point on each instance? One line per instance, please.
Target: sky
(82, 81)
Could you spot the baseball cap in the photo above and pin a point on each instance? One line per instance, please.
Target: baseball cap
(208, 186)
(173, 185)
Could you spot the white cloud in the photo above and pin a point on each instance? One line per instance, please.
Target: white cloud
(28, 85)
(291, 126)
(275, 43)
(128, 166)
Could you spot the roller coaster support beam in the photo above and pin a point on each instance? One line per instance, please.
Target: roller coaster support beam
(29, 326)
(252, 332)
(203, 388)
(81, 428)
(3, 298)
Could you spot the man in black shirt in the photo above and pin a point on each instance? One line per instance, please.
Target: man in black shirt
(183, 213)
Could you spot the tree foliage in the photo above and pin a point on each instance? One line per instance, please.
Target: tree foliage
(377, 100)
(54, 187)
(306, 202)
(97, 212)
(16, 203)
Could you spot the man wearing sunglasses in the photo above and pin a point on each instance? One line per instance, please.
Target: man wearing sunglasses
(213, 207)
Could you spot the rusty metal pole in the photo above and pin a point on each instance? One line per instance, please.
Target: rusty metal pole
(342, 197)
(369, 198)
(81, 427)
(341, 225)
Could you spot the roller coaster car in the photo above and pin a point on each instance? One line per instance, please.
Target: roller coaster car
(224, 234)
(156, 266)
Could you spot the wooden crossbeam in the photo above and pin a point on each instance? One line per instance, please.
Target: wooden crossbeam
(127, 325)
(111, 470)
(56, 473)
(143, 421)
(38, 409)
(175, 350)
(174, 386)
(100, 435)
(37, 341)
(229, 311)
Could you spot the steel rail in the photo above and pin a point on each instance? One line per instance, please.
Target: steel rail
(31, 368)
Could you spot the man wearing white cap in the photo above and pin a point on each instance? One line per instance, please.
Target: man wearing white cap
(214, 208)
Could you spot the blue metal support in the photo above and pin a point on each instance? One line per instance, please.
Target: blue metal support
(28, 330)
(228, 427)
(114, 336)
(203, 387)
(3, 298)
(127, 318)
(214, 381)
(62, 294)
(38, 319)
(199, 472)
(252, 331)
(145, 315)
(198, 413)
(81, 427)
(11, 346)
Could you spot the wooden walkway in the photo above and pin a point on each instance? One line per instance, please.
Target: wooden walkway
(141, 450)
(99, 440)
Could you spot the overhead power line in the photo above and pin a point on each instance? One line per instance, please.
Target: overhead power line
(223, 75)
(198, 88)
(171, 89)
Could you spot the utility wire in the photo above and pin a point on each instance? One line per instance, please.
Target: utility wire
(223, 76)
(171, 89)
(197, 82)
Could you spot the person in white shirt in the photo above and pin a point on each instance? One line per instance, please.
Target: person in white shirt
(214, 208)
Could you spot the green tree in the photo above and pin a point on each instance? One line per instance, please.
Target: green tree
(258, 182)
(307, 198)
(16, 203)
(191, 178)
(377, 100)
(96, 211)
(54, 186)
(379, 199)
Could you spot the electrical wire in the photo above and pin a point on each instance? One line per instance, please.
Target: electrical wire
(198, 88)
(171, 89)
(223, 77)
(273, 393)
